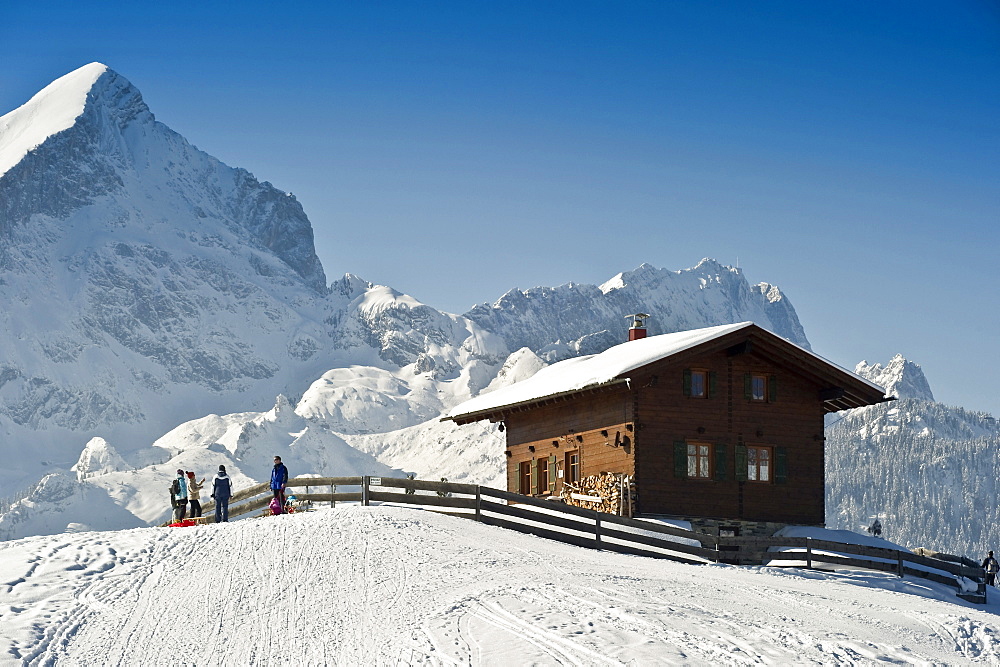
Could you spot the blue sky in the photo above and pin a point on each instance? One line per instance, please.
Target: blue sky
(848, 152)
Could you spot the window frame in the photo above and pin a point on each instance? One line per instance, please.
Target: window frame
(753, 464)
(571, 470)
(524, 478)
(763, 378)
(703, 375)
(544, 481)
(708, 458)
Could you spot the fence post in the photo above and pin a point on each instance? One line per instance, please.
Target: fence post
(479, 504)
(364, 490)
(899, 563)
(597, 529)
(333, 491)
(809, 554)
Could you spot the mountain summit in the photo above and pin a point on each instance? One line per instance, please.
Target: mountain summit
(89, 135)
(901, 378)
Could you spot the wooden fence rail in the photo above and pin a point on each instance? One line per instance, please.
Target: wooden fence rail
(593, 529)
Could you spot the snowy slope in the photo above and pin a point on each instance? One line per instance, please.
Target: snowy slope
(393, 586)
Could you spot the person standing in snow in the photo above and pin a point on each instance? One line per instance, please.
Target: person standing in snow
(180, 493)
(279, 477)
(222, 490)
(194, 493)
(992, 567)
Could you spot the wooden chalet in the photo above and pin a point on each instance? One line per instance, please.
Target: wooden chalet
(722, 426)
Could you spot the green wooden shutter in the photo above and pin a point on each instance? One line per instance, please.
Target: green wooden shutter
(772, 388)
(780, 465)
(513, 476)
(680, 459)
(741, 463)
(534, 476)
(552, 474)
(687, 381)
(712, 384)
(748, 386)
(720, 462)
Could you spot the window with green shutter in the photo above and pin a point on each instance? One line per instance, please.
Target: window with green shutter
(680, 459)
(720, 462)
(713, 384)
(524, 481)
(759, 464)
(534, 477)
(697, 383)
(552, 474)
(741, 463)
(513, 477)
(780, 465)
(760, 388)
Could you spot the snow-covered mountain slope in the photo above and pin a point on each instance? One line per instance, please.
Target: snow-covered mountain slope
(145, 283)
(395, 586)
(929, 471)
(560, 322)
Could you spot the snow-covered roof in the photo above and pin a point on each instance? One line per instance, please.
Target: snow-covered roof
(593, 370)
(611, 365)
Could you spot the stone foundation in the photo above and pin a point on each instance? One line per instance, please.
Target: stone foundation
(722, 527)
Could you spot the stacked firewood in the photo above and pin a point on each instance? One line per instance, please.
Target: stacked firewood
(607, 492)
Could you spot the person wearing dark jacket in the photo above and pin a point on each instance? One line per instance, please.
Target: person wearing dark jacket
(992, 567)
(222, 490)
(279, 477)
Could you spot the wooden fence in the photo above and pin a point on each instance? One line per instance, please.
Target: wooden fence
(596, 530)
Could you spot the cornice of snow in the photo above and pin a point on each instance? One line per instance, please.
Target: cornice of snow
(51, 110)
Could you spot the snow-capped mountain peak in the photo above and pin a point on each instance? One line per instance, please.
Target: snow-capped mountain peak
(901, 378)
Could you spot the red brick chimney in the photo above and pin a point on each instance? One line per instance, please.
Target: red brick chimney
(638, 328)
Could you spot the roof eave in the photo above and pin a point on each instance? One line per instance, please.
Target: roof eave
(497, 413)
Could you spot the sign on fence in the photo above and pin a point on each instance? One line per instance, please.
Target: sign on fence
(375, 481)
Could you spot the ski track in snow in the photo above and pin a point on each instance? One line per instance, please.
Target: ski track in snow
(393, 586)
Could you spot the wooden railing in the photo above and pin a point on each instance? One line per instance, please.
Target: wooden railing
(596, 530)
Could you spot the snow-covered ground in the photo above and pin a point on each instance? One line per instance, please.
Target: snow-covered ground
(387, 585)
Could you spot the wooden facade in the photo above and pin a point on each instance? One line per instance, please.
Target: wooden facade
(729, 430)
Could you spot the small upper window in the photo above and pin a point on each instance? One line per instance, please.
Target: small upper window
(758, 388)
(699, 384)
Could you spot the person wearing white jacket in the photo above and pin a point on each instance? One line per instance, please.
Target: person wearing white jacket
(194, 493)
